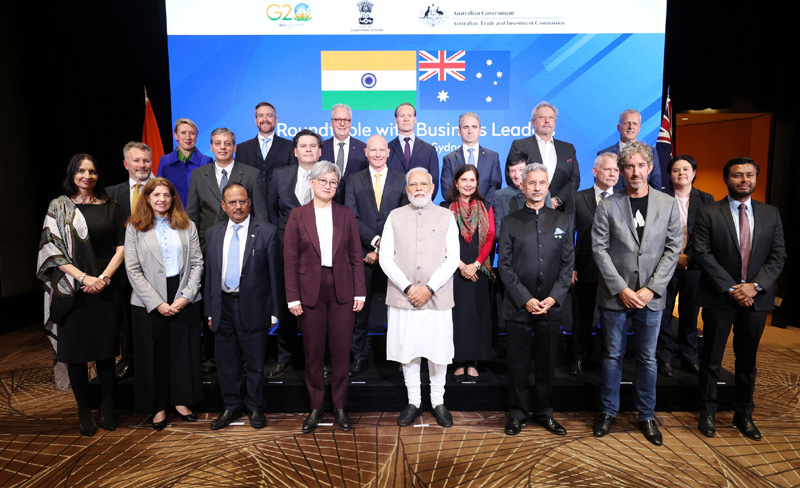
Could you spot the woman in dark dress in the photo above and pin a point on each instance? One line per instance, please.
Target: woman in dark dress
(80, 250)
(165, 266)
(472, 314)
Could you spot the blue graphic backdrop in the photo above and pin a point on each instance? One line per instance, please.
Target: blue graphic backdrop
(217, 81)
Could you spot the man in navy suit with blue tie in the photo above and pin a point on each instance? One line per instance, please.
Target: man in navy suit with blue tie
(470, 152)
(243, 290)
(372, 194)
(347, 152)
(409, 151)
(630, 123)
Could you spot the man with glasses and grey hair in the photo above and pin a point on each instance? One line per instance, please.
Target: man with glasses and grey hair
(419, 254)
(347, 152)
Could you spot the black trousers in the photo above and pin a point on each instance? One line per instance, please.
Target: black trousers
(544, 345)
(685, 282)
(747, 325)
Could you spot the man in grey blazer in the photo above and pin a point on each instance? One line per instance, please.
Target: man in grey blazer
(470, 152)
(207, 182)
(636, 239)
(558, 156)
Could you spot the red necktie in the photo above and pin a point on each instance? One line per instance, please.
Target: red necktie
(744, 239)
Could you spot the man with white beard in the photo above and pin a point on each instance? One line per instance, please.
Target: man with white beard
(419, 254)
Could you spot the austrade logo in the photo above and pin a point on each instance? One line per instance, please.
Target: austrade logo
(301, 12)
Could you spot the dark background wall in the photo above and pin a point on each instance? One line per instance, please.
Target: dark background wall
(73, 76)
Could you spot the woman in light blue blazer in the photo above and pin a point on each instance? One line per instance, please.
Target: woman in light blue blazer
(165, 266)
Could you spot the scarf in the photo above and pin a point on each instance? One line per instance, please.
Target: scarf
(470, 217)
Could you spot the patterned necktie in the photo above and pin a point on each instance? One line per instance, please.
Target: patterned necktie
(305, 190)
(471, 158)
(265, 147)
(223, 182)
(377, 189)
(603, 195)
(744, 239)
(137, 192)
(232, 273)
(340, 157)
(407, 153)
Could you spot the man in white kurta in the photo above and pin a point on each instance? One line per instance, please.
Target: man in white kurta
(419, 252)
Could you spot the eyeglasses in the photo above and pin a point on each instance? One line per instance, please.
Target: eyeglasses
(339, 121)
(331, 183)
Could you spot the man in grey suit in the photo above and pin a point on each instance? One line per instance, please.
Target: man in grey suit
(138, 160)
(558, 156)
(636, 239)
(372, 194)
(207, 182)
(630, 122)
(470, 152)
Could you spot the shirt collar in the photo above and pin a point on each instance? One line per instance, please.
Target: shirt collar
(734, 204)
(245, 223)
(132, 183)
(598, 191)
(542, 141)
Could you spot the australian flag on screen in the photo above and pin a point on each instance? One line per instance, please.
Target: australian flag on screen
(463, 80)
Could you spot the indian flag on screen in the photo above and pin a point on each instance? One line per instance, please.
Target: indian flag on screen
(368, 80)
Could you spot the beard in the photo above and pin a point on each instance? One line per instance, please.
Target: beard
(421, 201)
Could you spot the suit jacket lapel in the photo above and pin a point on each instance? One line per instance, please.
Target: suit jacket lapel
(725, 209)
(184, 237)
(694, 204)
(126, 201)
(310, 224)
(292, 184)
(759, 217)
(590, 201)
(211, 178)
(151, 239)
(653, 211)
(460, 155)
(338, 228)
(624, 205)
(249, 241)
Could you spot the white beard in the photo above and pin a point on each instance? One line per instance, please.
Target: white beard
(420, 202)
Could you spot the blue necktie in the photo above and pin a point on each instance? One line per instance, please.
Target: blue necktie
(471, 159)
(232, 272)
(264, 148)
(223, 182)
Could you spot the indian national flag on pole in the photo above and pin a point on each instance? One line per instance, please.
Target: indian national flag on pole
(368, 80)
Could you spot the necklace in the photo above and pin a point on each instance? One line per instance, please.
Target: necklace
(91, 201)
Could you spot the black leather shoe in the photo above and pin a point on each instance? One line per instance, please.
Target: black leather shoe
(650, 431)
(159, 426)
(124, 370)
(443, 416)
(665, 369)
(692, 368)
(603, 425)
(278, 370)
(107, 419)
(746, 426)
(190, 417)
(576, 368)
(514, 426)
(342, 419)
(311, 422)
(552, 426)
(408, 415)
(357, 367)
(707, 426)
(257, 420)
(86, 422)
(225, 419)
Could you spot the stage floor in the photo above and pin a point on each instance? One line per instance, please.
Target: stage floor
(40, 444)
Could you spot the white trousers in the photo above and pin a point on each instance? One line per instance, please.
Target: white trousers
(411, 375)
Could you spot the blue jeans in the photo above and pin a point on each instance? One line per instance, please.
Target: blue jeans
(646, 325)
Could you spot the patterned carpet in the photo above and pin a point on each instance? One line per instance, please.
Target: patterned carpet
(40, 444)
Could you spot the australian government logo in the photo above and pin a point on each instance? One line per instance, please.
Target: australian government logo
(432, 15)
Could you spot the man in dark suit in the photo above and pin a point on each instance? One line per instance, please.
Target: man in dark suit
(243, 290)
(486, 160)
(178, 165)
(205, 189)
(682, 170)
(511, 198)
(630, 122)
(266, 151)
(409, 151)
(138, 160)
(558, 156)
(347, 152)
(535, 260)
(738, 245)
(290, 188)
(372, 194)
(584, 278)
(636, 239)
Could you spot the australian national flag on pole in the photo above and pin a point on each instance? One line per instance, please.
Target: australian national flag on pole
(464, 80)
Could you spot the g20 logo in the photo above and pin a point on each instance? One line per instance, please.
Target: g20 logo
(301, 12)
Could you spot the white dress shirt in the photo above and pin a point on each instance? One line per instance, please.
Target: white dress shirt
(548, 151)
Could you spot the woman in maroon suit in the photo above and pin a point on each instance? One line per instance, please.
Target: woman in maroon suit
(321, 241)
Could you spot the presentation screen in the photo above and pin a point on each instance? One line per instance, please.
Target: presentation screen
(590, 59)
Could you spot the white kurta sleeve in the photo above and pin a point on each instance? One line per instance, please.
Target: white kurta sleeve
(386, 257)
